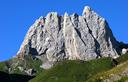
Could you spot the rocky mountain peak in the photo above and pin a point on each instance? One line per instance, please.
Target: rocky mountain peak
(87, 10)
(54, 38)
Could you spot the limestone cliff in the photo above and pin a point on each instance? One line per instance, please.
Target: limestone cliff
(54, 38)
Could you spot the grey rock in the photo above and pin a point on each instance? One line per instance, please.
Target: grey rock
(124, 51)
(21, 68)
(47, 65)
(54, 38)
(30, 72)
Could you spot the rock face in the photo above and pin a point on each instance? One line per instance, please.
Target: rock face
(54, 38)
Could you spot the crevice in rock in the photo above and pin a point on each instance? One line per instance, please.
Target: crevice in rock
(59, 23)
(78, 32)
(44, 51)
(97, 45)
(33, 51)
(75, 27)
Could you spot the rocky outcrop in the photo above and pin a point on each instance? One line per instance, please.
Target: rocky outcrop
(30, 72)
(54, 38)
(124, 51)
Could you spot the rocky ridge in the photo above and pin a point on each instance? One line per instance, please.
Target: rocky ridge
(54, 38)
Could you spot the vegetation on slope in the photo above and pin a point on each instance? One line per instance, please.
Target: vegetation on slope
(111, 74)
(74, 71)
(117, 74)
(68, 71)
(3, 67)
(28, 62)
(122, 58)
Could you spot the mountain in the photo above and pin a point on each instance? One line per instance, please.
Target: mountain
(70, 37)
(69, 48)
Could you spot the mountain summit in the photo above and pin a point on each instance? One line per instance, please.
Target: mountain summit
(54, 38)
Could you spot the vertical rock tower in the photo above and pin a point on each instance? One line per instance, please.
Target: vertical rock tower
(54, 38)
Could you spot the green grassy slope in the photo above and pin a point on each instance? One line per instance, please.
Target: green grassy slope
(122, 58)
(69, 70)
(117, 71)
(74, 71)
(111, 73)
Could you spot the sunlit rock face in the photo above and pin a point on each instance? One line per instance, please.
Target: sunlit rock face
(54, 38)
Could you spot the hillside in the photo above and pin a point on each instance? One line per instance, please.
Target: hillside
(74, 71)
(96, 70)
(117, 74)
(99, 70)
(27, 65)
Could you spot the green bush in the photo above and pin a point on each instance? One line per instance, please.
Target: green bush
(3, 67)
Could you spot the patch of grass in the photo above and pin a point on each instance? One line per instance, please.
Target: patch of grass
(74, 71)
(107, 74)
(3, 67)
(122, 58)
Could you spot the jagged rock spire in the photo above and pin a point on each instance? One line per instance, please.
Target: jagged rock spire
(70, 37)
(86, 10)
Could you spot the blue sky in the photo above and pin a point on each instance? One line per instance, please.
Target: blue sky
(16, 16)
